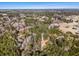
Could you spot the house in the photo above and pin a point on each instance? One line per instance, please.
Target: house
(43, 18)
(53, 25)
(22, 15)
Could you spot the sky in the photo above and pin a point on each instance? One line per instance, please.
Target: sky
(39, 5)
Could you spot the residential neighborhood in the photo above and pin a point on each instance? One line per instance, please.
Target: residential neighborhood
(39, 33)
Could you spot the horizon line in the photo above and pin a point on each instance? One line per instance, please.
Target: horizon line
(39, 8)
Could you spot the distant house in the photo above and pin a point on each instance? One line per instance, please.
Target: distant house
(57, 17)
(43, 18)
(4, 14)
(54, 25)
(22, 15)
(69, 19)
(77, 32)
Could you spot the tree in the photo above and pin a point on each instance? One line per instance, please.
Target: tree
(8, 45)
